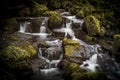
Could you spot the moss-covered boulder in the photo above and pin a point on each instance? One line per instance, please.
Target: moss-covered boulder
(49, 13)
(92, 26)
(70, 46)
(38, 9)
(9, 24)
(13, 54)
(55, 21)
(74, 51)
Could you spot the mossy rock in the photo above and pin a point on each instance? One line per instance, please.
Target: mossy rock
(92, 26)
(9, 24)
(70, 46)
(49, 13)
(14, 54)
(38, 9)
(55, 21)
(29, 48)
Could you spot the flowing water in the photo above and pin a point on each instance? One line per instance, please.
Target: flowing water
(98, 61)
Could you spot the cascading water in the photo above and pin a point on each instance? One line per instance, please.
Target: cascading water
(52, 57)
(23, 26)
(42, 34)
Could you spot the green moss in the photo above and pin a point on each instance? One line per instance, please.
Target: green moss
(49, 13)
(93, 26)
(38, 9)
(55, 21)
(70, 46)
(116, 44)
(13, 53)
(29, 48)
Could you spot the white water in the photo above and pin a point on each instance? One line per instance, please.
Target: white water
(23, 26)
(42, 34)
(51, 67)
(97, 60)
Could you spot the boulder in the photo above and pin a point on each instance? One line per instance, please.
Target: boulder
(92, 26)
(55, 21)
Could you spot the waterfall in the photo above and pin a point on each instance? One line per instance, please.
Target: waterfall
(42, 29)
(52, 57)
(23, 26)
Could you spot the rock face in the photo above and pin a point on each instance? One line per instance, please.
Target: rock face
(34, 26)
(92, 26)
(74, 51)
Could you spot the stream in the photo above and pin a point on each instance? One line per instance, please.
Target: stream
(98, 60)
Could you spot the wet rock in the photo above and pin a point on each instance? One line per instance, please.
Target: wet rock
(34, 26)
(74, 51)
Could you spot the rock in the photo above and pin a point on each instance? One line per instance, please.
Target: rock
(92, 26)
(34, 26)
(79, 33)
(73, 51)
(55, 21)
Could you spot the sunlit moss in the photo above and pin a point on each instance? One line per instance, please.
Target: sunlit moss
(70, 46)
(93, 26)
(29, 48)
